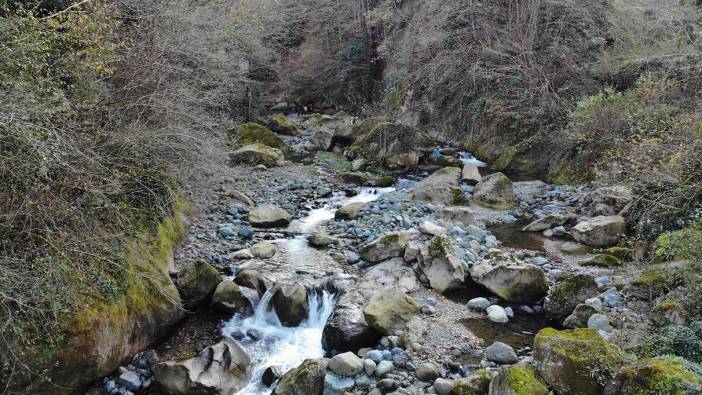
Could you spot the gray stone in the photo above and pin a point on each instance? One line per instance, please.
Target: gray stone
(495, 191)
(129, 380)
(443, 386)
(501, 353)
(479, 304)
(383, 368)
(369, 366)
(602, 231)
(600, 322)
(427, 371)
(610, 297)
(440, 187)
(346, 364)
(269, 216)
(335, 385)
(497, 314)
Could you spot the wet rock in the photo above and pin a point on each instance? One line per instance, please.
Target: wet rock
(576, 361)
(251, 278)
(479, 304)
(568, 293)
(497, 314)
(392, 245)
(390, 311)
(221, 368)
(520, 379)
(440, 187)
(346, 329)
(603, 231)
(290, 303)
(197, 282)
(263, 250)
(512, 282)
(269, 216)
(579, 317)
(457, 215)
(306, 379)
(441, 266)
(349, 211)
(346, 364)
(271, 375)
(470, 174)
(230, 298)
(501, 353)
(258, 154)
(321, 239)
(495, 191)
(129, 380)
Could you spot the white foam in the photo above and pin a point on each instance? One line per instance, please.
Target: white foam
(468, 159)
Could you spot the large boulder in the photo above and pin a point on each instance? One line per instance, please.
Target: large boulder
(391, 245)
(457, 215)
(306, 379)
(280, 124)
(269, 216)
(196, 282)
(527, 191)
(349, 211)
(389, 311)
(440, 187)
(666, 375)
(495, 191)
(576, 361)
(263, 250)
(253, 133)
(258, 154)
(520, 379)
(231, 298)
(441, 266)
(512, 282)
(601, 231)
(252, 278)
(291, 303)
(390, 274)
(610, 200)
(219, 369)
(563, 297)
(321, 140)
(346, 329)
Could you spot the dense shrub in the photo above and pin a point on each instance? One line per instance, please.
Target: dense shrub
(683, 341)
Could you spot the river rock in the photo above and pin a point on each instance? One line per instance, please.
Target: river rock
(231, 298)
(546, 222)
(196, 282)
(258, 154)
(271, 375)
(252, 278)
(440, 187)
(527, 191)
(253, 133)
(457, 215)
(443, 386)
(346, 329)
(655, 376)
(470, 174)
(563, 297)
(263, 250)
(603, 231)
(290, 303)
(335, 385)
(579, 317)
(383, 368)
(479, 304)
(269, 216)
(441, 266)
(369, 366)
(520, 379)
(321, 140)
(501, 353)
(346, 364)
(306, 379)
(497, 314)
(349, 211)
(280, 124)
(477, 382)
(431, 229)
(221, 368)
(577, 361)
(389, 311)
(495, 191)
(321, 239)
(390, 274)
(512, 282)
(391, 245)
(427, 371)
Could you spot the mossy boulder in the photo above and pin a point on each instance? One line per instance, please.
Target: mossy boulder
(384, 181)
(281, 124)
(229, 297)
(354, 177)
(306, 379)
(667, 375)
(258, 154)
(391, 245)
(519, 379)
(495, 191)
(440, 187)
(253, 133)
(563, 297)
(476, 383)
(577, 361)
(668, 312)
(620, 252)
(389, 311)
(512, 282)
(658, 279)
(197, 282)
(601, 260)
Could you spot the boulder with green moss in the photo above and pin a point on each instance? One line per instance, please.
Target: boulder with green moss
(601, 260)
(666, 375)
(577, 361)
(258, 154)
(253, 133)
(442, 187)
(384, 181)
(519, 379)
(354, 177)
(197, 282)
(658, 279)
(476, 383)
(281, 124)
(512, 282)
(563, 297)
(668, 312)
(389, 311)
(306, 379)
(442, 267)
(391, 245)
(495, 191)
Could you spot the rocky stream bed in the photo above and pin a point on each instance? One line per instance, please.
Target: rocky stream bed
(313, 276)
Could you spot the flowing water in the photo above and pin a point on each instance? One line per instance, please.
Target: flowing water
(286, 347)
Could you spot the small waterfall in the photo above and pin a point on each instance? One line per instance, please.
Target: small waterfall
(277, 345)
(468, 158)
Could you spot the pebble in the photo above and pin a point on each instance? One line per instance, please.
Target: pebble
(375, 355)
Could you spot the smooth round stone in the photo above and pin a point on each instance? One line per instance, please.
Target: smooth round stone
(375, 355)
(387, 355)
(501, 353)
(479, 304)
(383, 368)
(369, 366)
(599, 322)
(443, 386)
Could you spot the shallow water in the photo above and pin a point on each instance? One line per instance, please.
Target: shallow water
(511, 235)
(519, 332)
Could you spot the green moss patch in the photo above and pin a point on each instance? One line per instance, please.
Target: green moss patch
(252, 133)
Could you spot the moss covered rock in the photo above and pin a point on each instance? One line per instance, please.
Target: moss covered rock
(579, 317)
(196, 282)
(384, 181)
(281, 124)
(354, 177)
(253, 133)
(389, 311)
(511, 282)
(601, 260)
(520, 379)
(495, 191)
(576, 361)
(306, 379)
(476, 383)
(658, 279)
(563, 297)
(440, 187)
(258, 154)
(667, 375)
